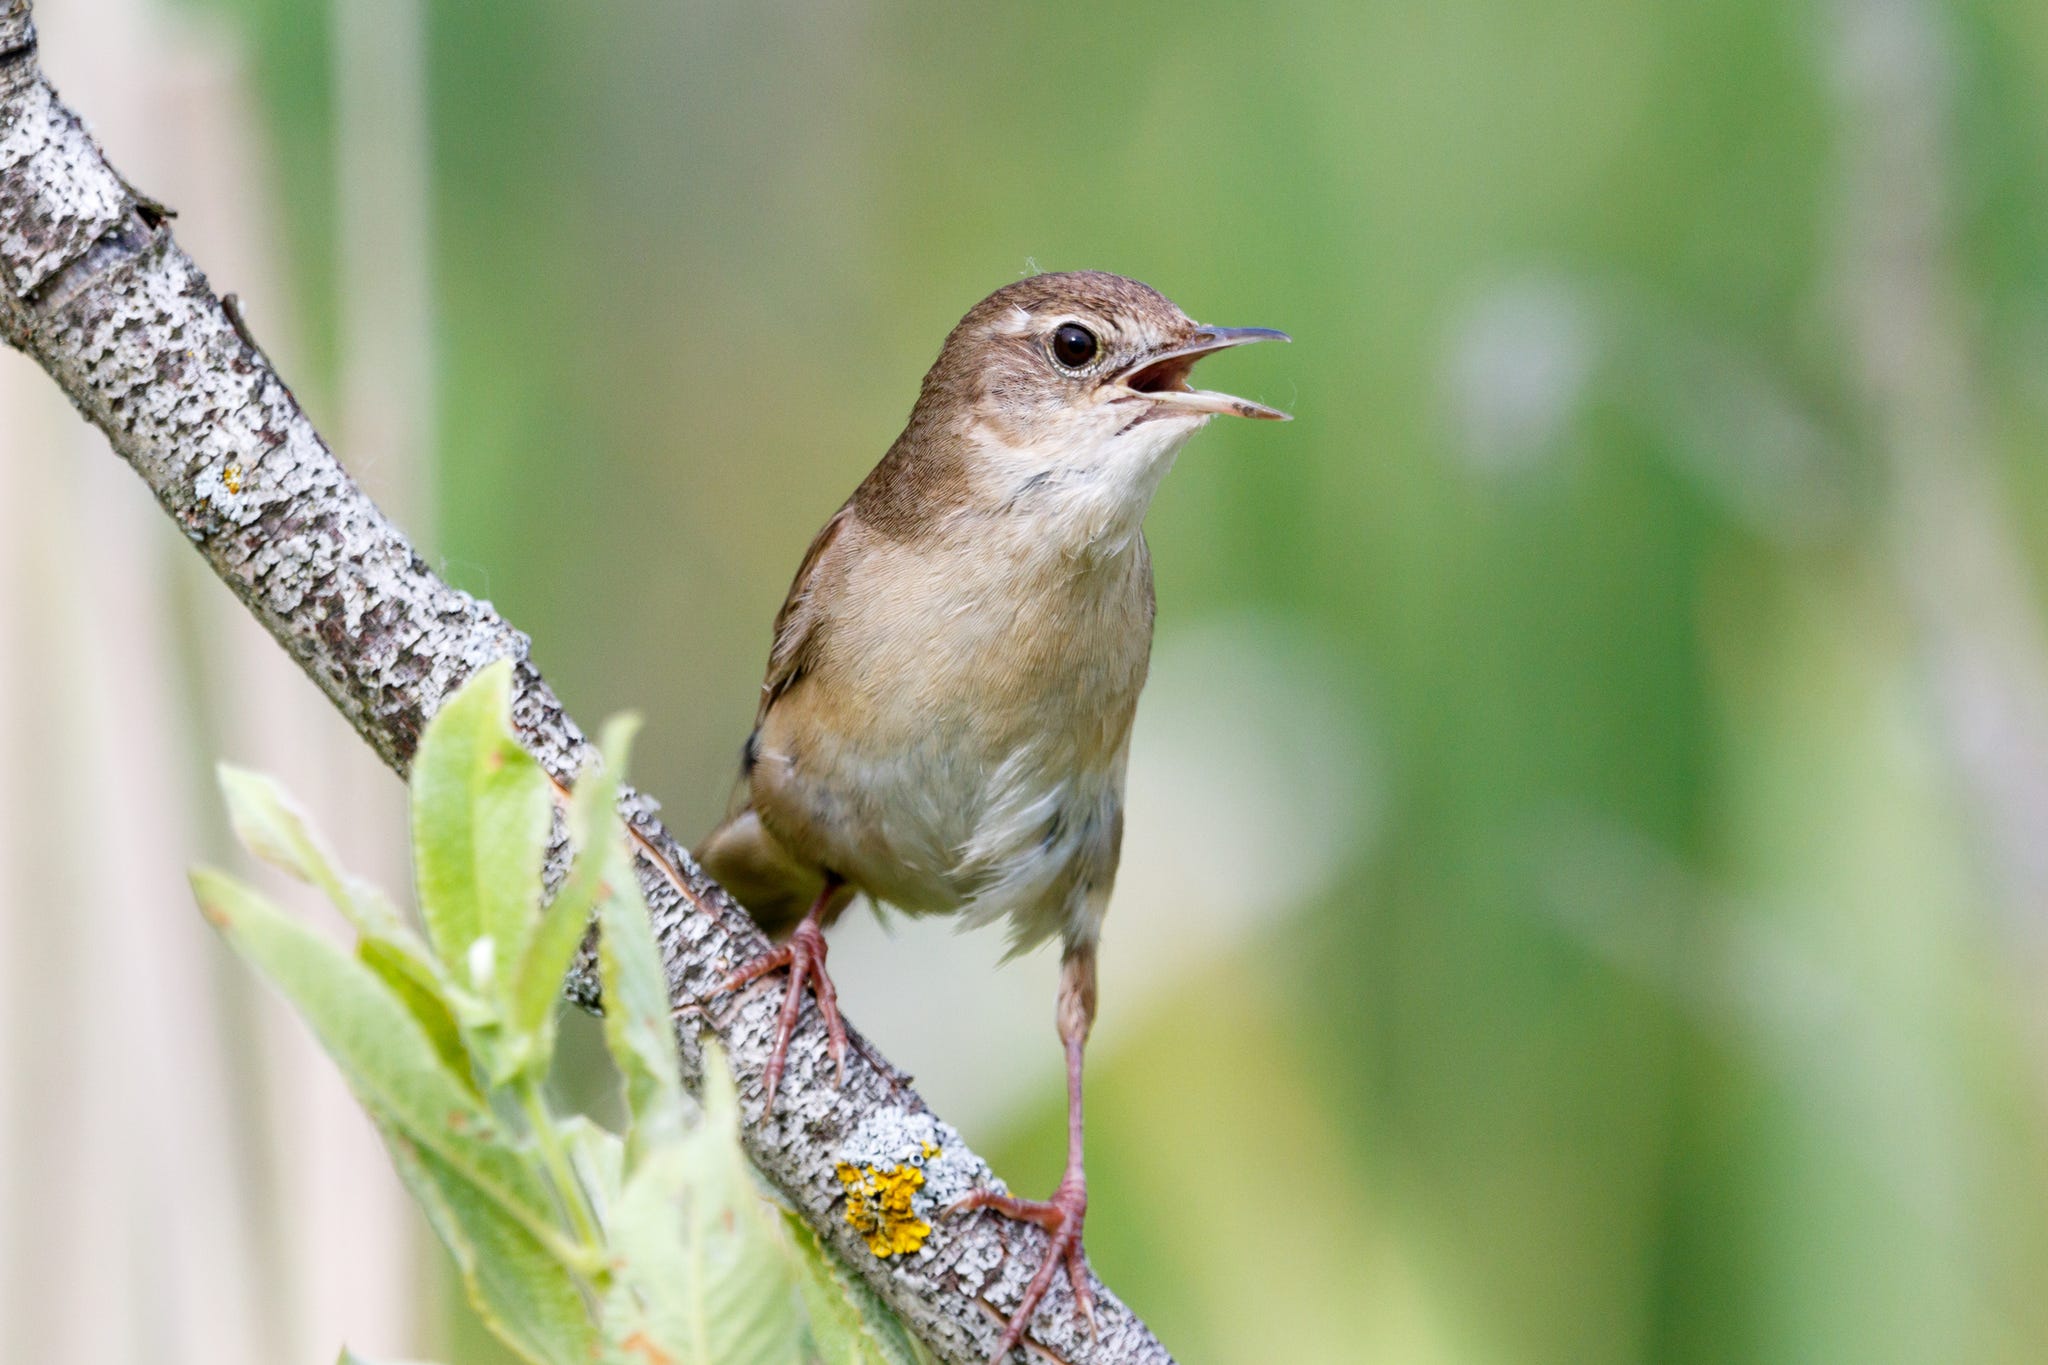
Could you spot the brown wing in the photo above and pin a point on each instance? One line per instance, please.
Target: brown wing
(796, 625)
(742, 854)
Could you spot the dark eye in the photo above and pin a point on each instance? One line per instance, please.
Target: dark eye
(1073, 345)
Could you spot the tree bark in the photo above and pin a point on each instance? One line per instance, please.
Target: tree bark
(95, 289)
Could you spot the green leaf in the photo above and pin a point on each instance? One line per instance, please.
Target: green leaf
(394, 1069)
(272, 826)
(598, 1158)
(424, 1002)
(638, 1026)
(703, 1276)
(849, 1324)
(481, 815)
(534, 987)
(519, 1290)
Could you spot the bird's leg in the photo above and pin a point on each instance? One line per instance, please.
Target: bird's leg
(804, 955)
(1062, 1215)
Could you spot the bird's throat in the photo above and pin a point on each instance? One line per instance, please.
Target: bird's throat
(1079, 501)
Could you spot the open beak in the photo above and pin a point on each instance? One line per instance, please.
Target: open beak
(1163, 378)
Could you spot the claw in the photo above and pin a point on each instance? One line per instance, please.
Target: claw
(804, 955)
(1061, 1216)
(1084, 1297)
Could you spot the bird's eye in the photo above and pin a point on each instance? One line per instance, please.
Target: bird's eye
(1073, 345)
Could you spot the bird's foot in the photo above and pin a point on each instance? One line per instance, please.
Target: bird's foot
(1061, 1216)
(804, 955)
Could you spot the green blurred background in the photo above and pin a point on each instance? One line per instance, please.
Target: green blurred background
(1590, 906)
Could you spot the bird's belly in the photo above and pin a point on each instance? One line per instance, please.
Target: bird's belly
(934, 823)
(964, 758)
(923, 822)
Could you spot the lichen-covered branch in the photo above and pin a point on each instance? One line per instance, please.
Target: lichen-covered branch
(95, 289)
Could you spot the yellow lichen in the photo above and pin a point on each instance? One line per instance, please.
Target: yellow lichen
(231, 478)
(881, 1204)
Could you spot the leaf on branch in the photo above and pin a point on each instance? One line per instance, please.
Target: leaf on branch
(639, 1028)
(848, 1324)
(705, 1276)
(598, 1158)
(574, 1244)
(272, 826)
(395, 1071)
(427, 1005)
(481, 814)
(534, 986)
(520, 1290)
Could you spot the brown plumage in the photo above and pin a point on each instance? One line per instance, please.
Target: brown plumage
(948, 703)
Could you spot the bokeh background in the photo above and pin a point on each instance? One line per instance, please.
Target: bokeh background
(1586, 891)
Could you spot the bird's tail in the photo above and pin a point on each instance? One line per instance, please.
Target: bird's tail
(762, 875)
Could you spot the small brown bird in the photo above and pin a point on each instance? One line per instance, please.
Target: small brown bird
(947, 711)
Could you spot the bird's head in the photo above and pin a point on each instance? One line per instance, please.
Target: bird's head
(1064, 396)
(1076, 358)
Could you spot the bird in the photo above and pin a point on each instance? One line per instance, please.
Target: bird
(946, 717)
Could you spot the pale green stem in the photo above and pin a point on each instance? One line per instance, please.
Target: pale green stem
(582, 1221)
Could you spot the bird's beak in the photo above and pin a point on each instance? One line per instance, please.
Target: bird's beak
(1163, 378)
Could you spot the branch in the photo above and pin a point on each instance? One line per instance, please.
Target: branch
(93, 287)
